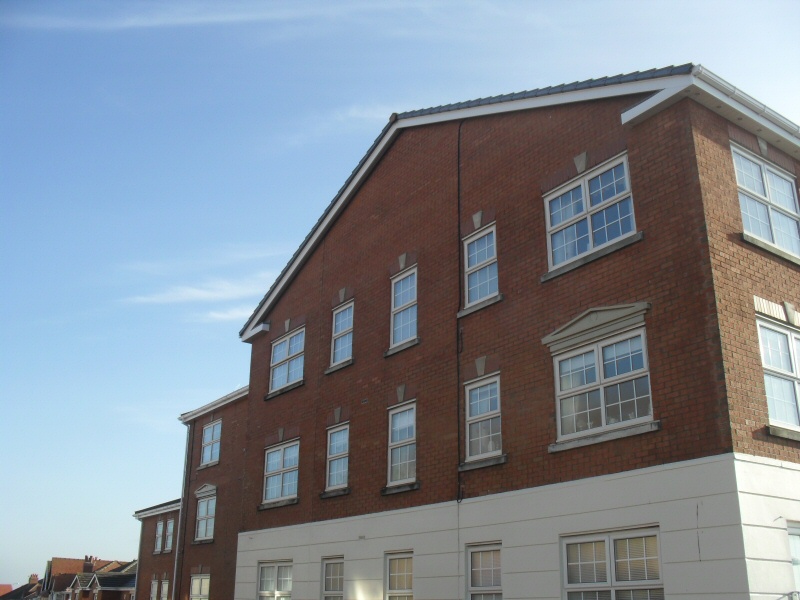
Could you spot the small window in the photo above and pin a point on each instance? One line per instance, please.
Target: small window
(780, 357)
(338, 460)
(399, 577)
(483, 418)
(211, 436)
(201, 585)
(206, 509)
(286, 364)
(404, 307)
(485, 573)
(342, 340)
(154, 590)
(280, 472)
(402, 445)
(275, 581)
(165, 590)
(768, 200)
(168, 537)
(603, 385)
(623, 565)
(794, 550)
(333, 579)
(480, 268)
(589, 212)
(159, 535)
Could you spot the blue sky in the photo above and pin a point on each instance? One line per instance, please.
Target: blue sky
(160, 162)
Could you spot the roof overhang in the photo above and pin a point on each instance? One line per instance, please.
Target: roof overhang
(159, 509)
(212, 406)
(698, 83)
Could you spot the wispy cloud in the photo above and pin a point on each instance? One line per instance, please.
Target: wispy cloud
(215, 290)
(140, 15)
(238, 313)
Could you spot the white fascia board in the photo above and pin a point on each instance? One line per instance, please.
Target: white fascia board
(211, 406)
(143, 514)
(320, 230)
(713, 92)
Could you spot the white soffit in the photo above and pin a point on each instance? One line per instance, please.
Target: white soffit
(211, 406)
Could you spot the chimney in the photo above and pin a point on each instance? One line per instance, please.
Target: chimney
(34, 578)
(88, 564)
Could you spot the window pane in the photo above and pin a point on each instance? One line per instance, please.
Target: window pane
(482, 283)
(755, 217)
(781, 399)
(290, 483)
(291, 455)
(266, 581)
(296, 342)
(623, 357)
(280, 375)
(402, 425)
(637, 559)
(485, 568)
(401, 573)
(586, 562)
(787, 232)
(295, 370)
(343, 347)
(343, 320)
(612, 222)
(581, 412)
(781, 192)
(577, 371)
(284, 583)
(404, 462)
(607, 185)
(405, 324)
(273, 487)
(570, 241)
(601, 595)
(628, 400)
(274, 460)
(334, 577)
(484, 436)
(405, 290)
(775, 350)
(337, 473)
(748, 174)
(483, 399)
(566, 206)
(338, 442)
(480, 250)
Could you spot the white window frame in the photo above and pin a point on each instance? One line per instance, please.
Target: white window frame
(275, 593)
(588, 211)
(346, 332)
(154, 589)
(159, 536)
(165, 589)
(793, 532)
(197, 592)
(484, 265)
(398, 310)
(602, 383)
(400, 443)
(168, 533)
(282, 471)
(335, 457)
(489, 416)
(208, 519)
(330, 593)
(767, 198)
(211, 442)
(288, 359)
(611, 583)
(495, 587)
(792, 376)
(396, 593)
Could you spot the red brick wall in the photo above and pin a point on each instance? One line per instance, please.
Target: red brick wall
(413, 203)
(741, 271)
(217, 557)
(154, 564)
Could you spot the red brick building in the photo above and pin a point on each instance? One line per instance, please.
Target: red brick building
(157, 550)
(542, 345)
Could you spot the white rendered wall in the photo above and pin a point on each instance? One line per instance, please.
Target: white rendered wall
(706, 551)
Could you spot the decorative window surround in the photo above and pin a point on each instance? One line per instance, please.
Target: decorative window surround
(480, 266)
(602, 375)
(206, 510)
(768, 202)
(589, 212)
(286, 361)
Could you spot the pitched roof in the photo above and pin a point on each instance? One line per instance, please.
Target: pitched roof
(663, 87)
(114, 580)
(18, 593)
(158, 509)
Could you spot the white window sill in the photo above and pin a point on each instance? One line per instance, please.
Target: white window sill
(592, 255)
(208, 464)
(204, 541)
(771, 248)
(284, 389)
(278, 503)
(337, 366)
(479, 305)
(335, 493)
(398, 489)
(784, 432)
(479, 463)
(605, 436)
(402, 346)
